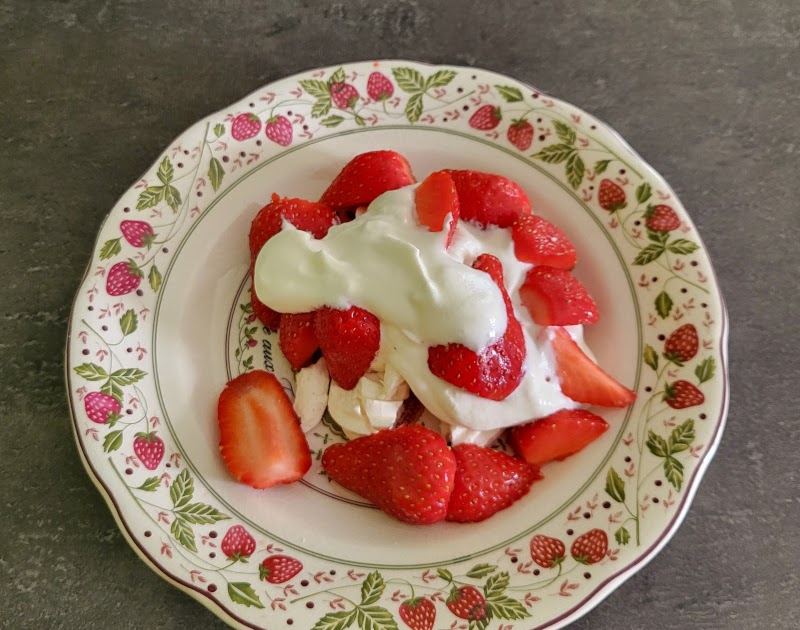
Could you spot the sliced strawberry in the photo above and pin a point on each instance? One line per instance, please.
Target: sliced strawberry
(557, 436)
(407, 472)
(582, 379)
(435, 200)
(488, 199)
(538, 241)
(349, 341)
(297, 338)
(554, 297)
(497, 370)
(365, 177)
(308, 216)
(486, 482)
(270, 319)
(260, 437)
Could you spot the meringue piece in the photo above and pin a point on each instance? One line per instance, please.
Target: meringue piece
(382, 414)
(427, 419)
(462, 435)
(345, 407)
(311, 394)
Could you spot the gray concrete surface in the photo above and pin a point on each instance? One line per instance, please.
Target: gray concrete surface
(707, 91)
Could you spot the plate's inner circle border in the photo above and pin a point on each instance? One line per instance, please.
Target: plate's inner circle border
(345, 561)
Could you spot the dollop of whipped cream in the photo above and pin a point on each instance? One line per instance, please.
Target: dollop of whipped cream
(388, 264)
(424, 295)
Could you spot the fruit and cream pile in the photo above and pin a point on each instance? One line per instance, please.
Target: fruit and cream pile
(428, 319)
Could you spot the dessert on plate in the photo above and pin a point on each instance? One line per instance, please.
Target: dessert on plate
(431, 319)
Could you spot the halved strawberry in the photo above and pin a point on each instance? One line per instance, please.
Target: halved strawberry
(407, 472)
(538, 241)
(435, 199)
(365, 177)
(582, 379)
(554, 297)
(557, 436)
(297, 338)
(486, 482)
(487, 199)
(260, 437)
(497, 370)
(308, 216)
(349, 341)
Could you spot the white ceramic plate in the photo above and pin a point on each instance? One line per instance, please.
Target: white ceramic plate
(162, 321)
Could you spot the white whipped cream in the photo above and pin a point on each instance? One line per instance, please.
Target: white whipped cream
(424, 295)
(385, 262)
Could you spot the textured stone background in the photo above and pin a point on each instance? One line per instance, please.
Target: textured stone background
(707, 91)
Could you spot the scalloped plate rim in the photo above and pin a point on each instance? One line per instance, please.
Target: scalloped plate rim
(609, 584)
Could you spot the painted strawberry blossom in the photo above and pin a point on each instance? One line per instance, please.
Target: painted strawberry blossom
(541, 578)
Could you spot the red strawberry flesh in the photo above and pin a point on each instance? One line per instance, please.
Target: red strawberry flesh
(349, 341)
(486, 199)
(497, 370)
(554, 297)
(582, 379)
(557, 436)
(260, 437)
(407, 472)
(538, 241)
(486, 482)
(308, 216)
(297, 338)
(436, 199)
(366, 177)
